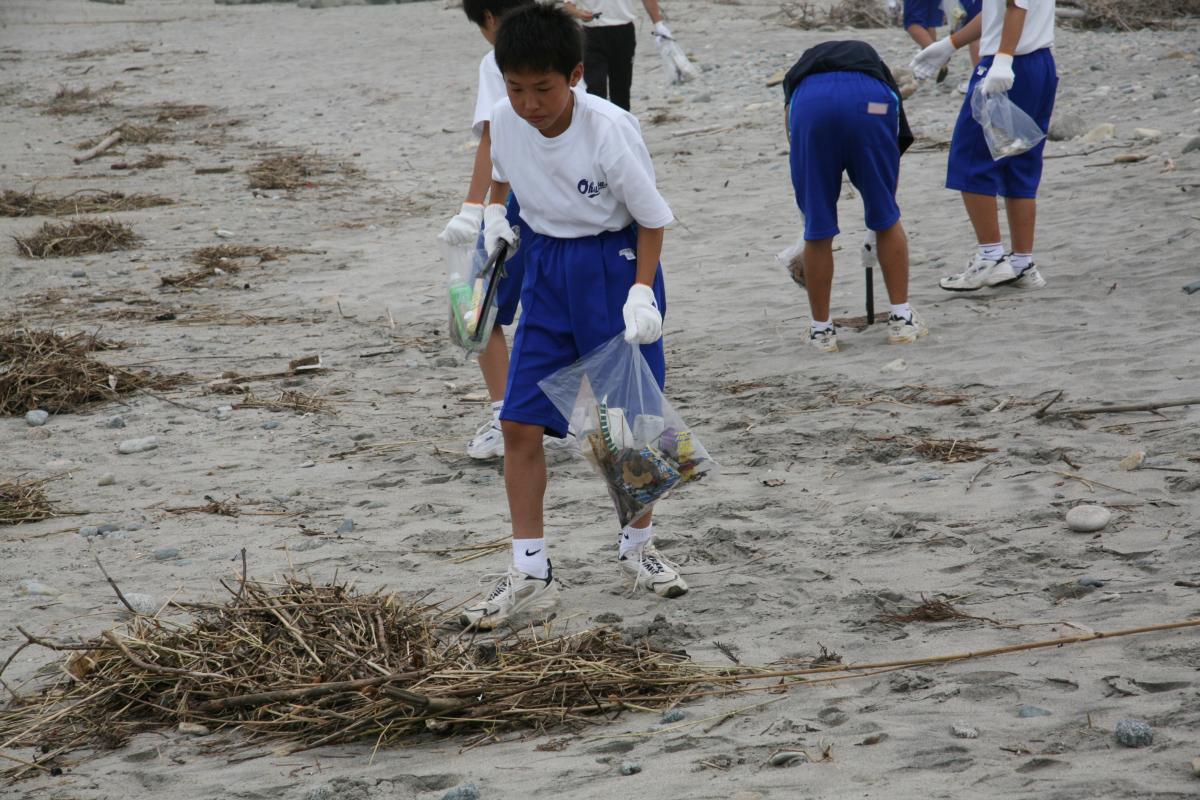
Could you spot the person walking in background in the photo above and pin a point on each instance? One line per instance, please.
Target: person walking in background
(922, 19)
(611, 39)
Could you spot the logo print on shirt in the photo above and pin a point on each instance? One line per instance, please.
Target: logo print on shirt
(591, 188)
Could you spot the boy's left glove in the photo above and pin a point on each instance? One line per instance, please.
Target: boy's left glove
(496, 227)
(463, 227)
(643, 322)
(927, 62)
(661, 33)
(1000, 77)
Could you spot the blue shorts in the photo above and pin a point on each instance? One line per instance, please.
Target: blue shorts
(844, 121)
(572, 299)
(972, 7)
(971, 167)
(509, 294)
(926, 13)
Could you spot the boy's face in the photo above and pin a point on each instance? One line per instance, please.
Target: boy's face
(543, 99)
(489, 27)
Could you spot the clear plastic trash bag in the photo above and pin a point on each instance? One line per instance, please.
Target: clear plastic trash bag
(678, 68)
(1009, 131)
(626, 429)
(473, 281)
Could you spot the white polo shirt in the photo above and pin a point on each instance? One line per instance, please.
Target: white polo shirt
(1037, 33)
(612, 12)
(491, 91)
(596, 176)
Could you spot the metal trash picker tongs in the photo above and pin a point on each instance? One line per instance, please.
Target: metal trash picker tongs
(495, 272)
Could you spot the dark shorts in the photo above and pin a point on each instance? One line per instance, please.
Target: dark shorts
(844, 122)
(972, 7)
(970, 167)
(571, 304)
(926, 13)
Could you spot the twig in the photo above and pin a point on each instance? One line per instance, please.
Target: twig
(979, 472)
(146, 665)
(1151, 406)
(1091, 481)
(107, 143)
(116, 588)
(1041, 412)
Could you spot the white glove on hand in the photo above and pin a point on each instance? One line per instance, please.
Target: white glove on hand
(661, 32)
(927, 62)
(999, 76)
(463, 227)
(643, 322)
(496, 227)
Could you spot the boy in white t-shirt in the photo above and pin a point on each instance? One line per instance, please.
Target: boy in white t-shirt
(610, 41)
(1016, 48)
(588, 192)
(465, 227)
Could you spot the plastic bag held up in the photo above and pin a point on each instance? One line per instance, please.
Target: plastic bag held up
(473, 280)
(678, 68)
(626, 428)
(1009, 131)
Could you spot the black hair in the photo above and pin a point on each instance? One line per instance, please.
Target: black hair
(476, 9)
(539, 38)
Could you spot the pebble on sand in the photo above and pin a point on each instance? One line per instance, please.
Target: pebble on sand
(1192, 144)
(166, 553)
(898, 365)
(1088, 518)
(963, 731)
(36, 418)
(144, 604)
(107, 479)
(785, 758)
(630, 768)
(1132, 461)
(193, 729)
(138, 445)
(1066, 126)
(1134, 733)
(1100, 133)
(465, 792)
(1147, 134)
(672, 715)
(1025, 712)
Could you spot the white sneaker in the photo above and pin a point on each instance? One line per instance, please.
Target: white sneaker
(1029, 278)
(980, 272)
(651, 571)
(906, 331)
(568, 442)
(962, 87)
(825, 341)
(488, 441)
(516, 595)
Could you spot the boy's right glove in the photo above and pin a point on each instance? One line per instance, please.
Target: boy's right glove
(643, 322)
(463, 227)
(496, 227)
(927, 62)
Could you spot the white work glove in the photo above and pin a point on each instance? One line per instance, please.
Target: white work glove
(870, 251)
(496, 227)
(661, 33)
(1000, 77)
(927, 62)
(643, 322)
(463, 227)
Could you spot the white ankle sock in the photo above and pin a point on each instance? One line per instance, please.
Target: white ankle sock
(992, 252)
(529, 555)
(497, 407)
(902, 310)
(827, 325)
(633, 538)
(1021, 261)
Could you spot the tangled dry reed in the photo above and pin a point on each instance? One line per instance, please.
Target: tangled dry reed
(54, 372)
(80, 237)
(949, 451)
(131, 134)
(225, 259)
(80, 101)
(296, 402)
(304, 664)
(25, 501)
(849, 13)
(299, 171)
(85, 201)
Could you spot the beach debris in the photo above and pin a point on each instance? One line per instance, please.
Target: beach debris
(1027, 712)
(1191, 144)
(948, 451)
(1134, 733)
(1147, 134)
(297, 171)
(143, 445)
(1101, 133)
(843, 13)
(25, 501)
(226, 259)
(346, 526)
(1192, 288)
(896, 365)
(673, 715)
(630, 768)
(80, 237)
(787, 758)
(36, 588)
(85, 201)
(1066, 126)
(467, 791)
(192, 729)
(1125, 15)
(963, 731)
(144, 604)
(80, 101)
(1088, 518)
(289, 400)
(107, 479)
(1132, 461)
(36, 418)
(1089, 581)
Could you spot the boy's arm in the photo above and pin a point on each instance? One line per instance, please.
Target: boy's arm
(481, 175)
(1000, 76)
(649, 252)
(654, 11)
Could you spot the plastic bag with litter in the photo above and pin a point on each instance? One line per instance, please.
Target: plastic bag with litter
(678, 68)
(1009, 131)
(472, 285)
(626, 428)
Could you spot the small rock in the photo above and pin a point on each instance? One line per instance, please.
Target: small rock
(37, 589)
(115, 422)
(1192, 144)
(1134, 733)
(1088, 518)
(143, 604)
(138, 445)
(465, 792)
(107, 527)
(1100, 133)
(222, 412)
(898, 365)
(963, 731)
(672, 715)
(1132, 461)
(1088, 580)
(78, 273)
(36, 418)
(347, 526)
(133, 526)
(904, 461)
(1025, 712)
(1064, 127)
(1196, 767)
(224, 234)
(193, 729)
(1147, 134)
(107, 479)
(88, 531)
(785, 758)
(165, 553)
(630, 768)
(270, 425)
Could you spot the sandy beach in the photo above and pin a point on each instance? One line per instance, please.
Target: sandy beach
(835, 506)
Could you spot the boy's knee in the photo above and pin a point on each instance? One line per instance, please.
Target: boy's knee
(520, 436)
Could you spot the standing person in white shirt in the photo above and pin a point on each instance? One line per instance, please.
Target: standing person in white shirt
(1016, 48)
(588, 192)
(611, 41)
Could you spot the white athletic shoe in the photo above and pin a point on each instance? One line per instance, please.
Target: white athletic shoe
(516, 595)
(488, 441)
(962, 87)
(906, 331)
(568, 442)
(1029, 278)
(825, 341)
(980, 272)
(651, 571)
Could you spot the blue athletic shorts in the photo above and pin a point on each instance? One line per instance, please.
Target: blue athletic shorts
(509, 294)
(844, 122)
(926, 13)
(972, 7)
(970, 167)
(571, 304)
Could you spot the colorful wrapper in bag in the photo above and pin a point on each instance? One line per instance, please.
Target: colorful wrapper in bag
(473, 281)
(626, 428)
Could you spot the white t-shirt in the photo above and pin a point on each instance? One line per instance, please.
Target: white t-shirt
(612, 12)
(491, 91)
(596, 176)
(1037, 33)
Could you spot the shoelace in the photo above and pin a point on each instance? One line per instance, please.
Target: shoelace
(487, 427)
(652, 563)
(506, 579)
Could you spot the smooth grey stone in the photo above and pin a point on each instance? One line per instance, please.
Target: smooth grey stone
(107, 479)
(963, 731)
(630, 768)
(347, 526)
(1194, 286)
(1088, 518)
(702, 98)
(166, 553)
(1134, 733)
(465, 792)
(672, 715)
(1088, 580)
(1159, 94)
(1066, 126)
(133, 526)
(107, 527)
(88, 531)
(270, 425)
(1192, 144)
(1025, 712)
(36, 418)
(115, 422)
(138, 445)
(141, 603)
(78, 273)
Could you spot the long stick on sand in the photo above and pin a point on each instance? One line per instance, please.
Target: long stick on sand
(1152, 406)
(106, 143)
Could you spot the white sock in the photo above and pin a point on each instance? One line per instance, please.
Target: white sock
(992, 252)
(633, 538)
(827, 325)
(497, 407)
(529, 555)
(1021, 261)
(902, 310)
